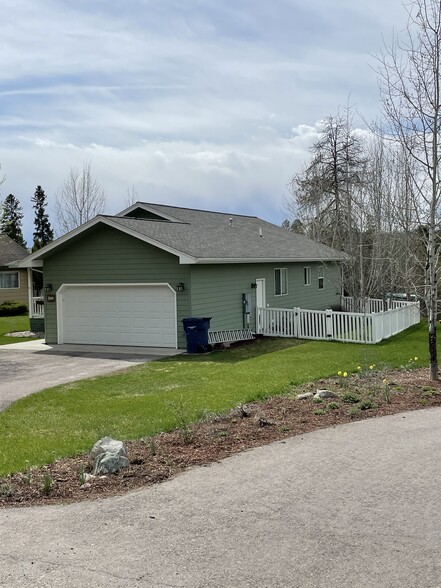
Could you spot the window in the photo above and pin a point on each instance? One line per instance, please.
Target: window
(307, 276)
(321, 277)
(280, 281)
(9, 280)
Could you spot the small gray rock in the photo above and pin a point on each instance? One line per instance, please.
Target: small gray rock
(109, 463)
(305, 396)
(325, 394)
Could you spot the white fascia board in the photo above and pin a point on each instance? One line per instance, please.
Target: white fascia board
(207, 260)
(147, 208)
(21, 264)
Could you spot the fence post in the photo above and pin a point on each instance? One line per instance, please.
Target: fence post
(296, 322)
(329, 325)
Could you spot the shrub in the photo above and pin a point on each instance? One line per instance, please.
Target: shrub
(12, 308)
(350, 398)
(366, 405)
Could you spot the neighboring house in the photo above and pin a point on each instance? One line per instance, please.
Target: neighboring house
(14, 282)
(130, 279)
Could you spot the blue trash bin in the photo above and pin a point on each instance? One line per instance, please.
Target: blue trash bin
(196, 333)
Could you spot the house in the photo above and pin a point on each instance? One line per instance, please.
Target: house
(130, 279)
(14, 282)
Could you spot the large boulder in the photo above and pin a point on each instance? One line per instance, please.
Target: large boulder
(108, 456)
(107, 445)
(109, 463)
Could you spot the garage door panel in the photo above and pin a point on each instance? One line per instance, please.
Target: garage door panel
(118, 315)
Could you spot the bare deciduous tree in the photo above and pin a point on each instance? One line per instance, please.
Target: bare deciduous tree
(80, 199)
(409, 72)
(132, 196)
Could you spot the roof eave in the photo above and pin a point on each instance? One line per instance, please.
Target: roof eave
(212, 260)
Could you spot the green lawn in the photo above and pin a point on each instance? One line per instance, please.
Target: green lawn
(11, 324)
(157, 396)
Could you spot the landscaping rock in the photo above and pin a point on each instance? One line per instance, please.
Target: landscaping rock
(107, 445)
(108, 456)
(109, 463)
(325, 394)
(305, 396)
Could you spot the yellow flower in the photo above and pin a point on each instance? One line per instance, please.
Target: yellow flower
(338, 373)
(345, 374)
(371, 367)
(384, 381)
(416, 358)
(359, 367)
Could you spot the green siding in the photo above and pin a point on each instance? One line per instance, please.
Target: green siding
(217, 290)
(109, 256)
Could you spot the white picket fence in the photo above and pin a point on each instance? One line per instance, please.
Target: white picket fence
(351, 327)
(370, 305)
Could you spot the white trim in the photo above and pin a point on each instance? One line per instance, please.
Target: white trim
(215, 260)
(63, 287)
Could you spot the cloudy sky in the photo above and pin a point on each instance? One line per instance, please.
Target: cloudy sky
(201, 103)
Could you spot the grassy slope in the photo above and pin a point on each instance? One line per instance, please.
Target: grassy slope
(10, 324)
(152, 397)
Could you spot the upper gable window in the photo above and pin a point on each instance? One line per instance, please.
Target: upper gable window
(280, 281)
(9, 280)
(307, 276)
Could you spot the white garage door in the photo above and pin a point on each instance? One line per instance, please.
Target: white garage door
(143, 315)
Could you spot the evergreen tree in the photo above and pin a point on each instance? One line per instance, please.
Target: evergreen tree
(43, 233)
(11, 219)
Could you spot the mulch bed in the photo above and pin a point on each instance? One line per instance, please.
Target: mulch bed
(156, 459)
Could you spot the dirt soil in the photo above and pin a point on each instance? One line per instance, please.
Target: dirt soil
(158, 458)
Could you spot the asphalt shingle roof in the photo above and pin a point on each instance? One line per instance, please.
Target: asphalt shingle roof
(209, 235)
(10, 250)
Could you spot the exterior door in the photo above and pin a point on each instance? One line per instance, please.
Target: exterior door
(260, 293)
(260, 301)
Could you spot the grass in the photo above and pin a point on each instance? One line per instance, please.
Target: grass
(11, 324)
(139, 402)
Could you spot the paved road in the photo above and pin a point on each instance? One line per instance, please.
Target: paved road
(355, 506)
(32, 366)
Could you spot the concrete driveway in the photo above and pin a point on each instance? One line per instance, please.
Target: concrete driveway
(32, 366)
(356, 506)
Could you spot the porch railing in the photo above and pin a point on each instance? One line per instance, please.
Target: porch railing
(353, 327)
(37, 307)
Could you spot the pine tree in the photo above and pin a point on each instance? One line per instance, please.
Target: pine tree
(43, 233)
(11, 219)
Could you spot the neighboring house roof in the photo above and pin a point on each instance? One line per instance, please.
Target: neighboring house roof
(10, 251)
(200, 236)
